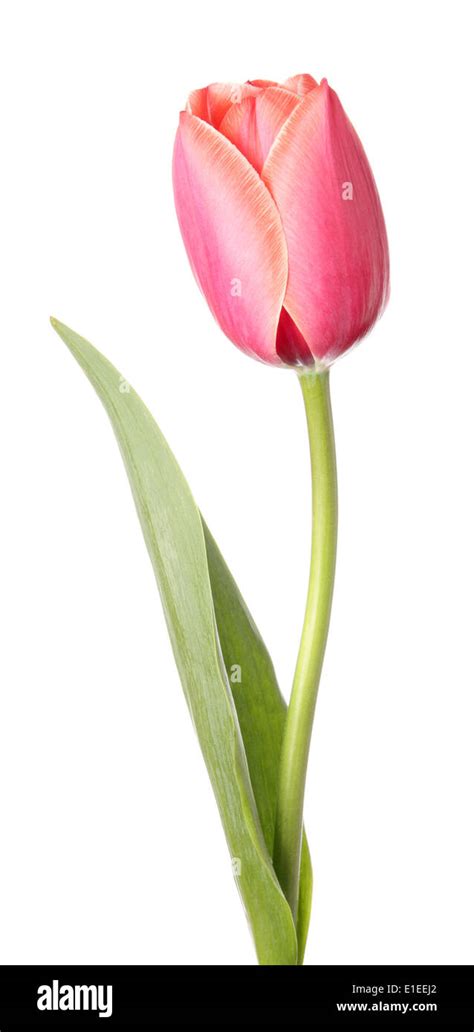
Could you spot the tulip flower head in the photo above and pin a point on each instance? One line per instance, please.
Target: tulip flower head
(281, 218)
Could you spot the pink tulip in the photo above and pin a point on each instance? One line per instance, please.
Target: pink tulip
(281, 218)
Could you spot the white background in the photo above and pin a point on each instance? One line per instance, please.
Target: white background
(112, 850)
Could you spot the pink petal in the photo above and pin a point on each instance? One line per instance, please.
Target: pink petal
(300, 84)
(338, 266)
(254, 124)
(233, 236)
(212, 102)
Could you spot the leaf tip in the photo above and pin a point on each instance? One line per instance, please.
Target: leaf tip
(62, 330)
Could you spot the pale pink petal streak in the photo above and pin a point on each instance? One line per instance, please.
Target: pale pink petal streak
(233, 236)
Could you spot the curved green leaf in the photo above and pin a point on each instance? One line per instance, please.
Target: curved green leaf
(239, 720)
(174, 536)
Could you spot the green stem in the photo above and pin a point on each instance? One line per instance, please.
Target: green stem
(299, 721)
